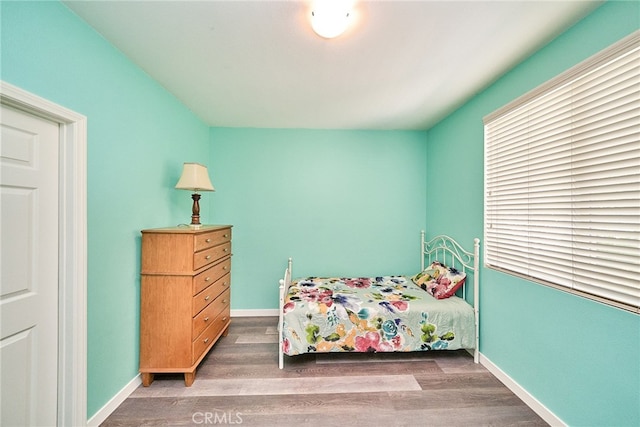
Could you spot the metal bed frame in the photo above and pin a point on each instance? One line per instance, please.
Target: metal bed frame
(441, 248)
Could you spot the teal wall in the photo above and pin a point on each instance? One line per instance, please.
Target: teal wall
(138, 137)
(338, 202)
(577, 357)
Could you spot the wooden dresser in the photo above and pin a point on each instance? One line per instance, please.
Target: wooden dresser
(184, 297)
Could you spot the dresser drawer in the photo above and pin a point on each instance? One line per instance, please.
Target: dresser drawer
(209, 313)
(205, 339)
(211, 275)
(208, 296)
(207, 256)
(221, 285)
(211, 239)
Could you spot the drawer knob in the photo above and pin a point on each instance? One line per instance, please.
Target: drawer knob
(206, 340)
(226, 236)
(226, 249)
(224, 319)
(207, 279)
(224, 301)
(207, 298)
(225, 268)
(207, 257)
(224, 283)
(208, 240)
(206, 319)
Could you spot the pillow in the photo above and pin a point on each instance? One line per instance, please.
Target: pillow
(439, 280)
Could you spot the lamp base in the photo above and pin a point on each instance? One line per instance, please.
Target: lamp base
(195, 210)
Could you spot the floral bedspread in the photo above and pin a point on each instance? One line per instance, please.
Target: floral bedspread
(380, 314)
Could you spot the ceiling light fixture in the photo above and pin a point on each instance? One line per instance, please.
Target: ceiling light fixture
(330, 18)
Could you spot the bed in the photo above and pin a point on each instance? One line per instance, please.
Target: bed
(427, 311)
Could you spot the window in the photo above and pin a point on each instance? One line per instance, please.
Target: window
(562, 180)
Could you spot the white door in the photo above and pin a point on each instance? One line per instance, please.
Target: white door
(28, 269)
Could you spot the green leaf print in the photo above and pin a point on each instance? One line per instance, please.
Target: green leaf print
(312, 333)
(332, 338)
(449, 336)
(428, 332)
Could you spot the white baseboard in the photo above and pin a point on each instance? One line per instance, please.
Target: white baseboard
(104, 412)
(523, 394)
(255, 313)
(100, 416)
(544, 413)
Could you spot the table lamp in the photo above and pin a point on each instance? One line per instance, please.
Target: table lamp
(195, 178)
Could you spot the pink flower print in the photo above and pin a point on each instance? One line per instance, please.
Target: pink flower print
(400, 305)
(386, 346)
(397, 342)
(444, 281)
(326, 297)
(441, 286)
(288, 307)
(438, 290)
(370, 342)
(358, 282)
(322, 295)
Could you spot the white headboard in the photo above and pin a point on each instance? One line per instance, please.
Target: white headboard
(446, 250)
(449, 252)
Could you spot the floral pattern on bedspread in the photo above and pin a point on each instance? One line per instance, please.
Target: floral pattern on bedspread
(381, 314)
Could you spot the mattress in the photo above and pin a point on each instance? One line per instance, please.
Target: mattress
(378, 314)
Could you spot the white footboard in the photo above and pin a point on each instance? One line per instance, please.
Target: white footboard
(284, 288)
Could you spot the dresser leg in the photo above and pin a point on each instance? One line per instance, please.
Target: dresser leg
(147, 379)
(189, 377)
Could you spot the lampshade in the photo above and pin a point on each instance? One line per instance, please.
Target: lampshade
(330, 18)
(195, 178)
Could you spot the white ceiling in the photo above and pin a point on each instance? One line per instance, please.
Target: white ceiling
(400, 65)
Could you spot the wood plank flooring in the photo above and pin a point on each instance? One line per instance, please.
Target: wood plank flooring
(239, 383)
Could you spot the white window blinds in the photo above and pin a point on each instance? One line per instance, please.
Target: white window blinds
(562, 180)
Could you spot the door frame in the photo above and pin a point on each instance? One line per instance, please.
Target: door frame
(72, 249)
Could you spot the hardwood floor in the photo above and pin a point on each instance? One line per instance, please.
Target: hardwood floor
(239, 383)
